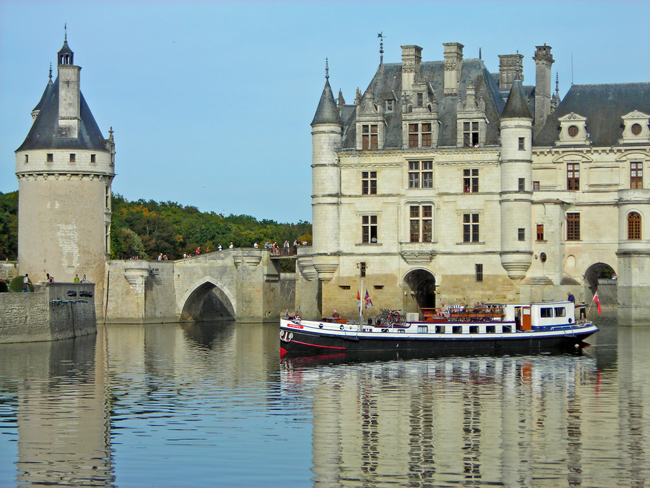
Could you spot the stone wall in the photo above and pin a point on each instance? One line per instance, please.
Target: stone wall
(54, 311)
(8, 270)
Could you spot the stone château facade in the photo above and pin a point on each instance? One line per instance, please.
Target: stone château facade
(444, 182)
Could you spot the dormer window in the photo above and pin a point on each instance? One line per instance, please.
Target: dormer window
(420, 135)
(369, 137)
(573, 130)
(390, 105)
(470, 134)
(420, 99)
(635, 128)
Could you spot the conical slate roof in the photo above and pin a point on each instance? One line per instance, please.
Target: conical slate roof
(44, 131)
(516, 106)
(327, 111)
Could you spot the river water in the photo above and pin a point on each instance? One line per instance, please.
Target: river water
(214, 405)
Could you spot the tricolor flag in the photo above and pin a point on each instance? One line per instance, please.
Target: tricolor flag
(359, 301)
(597, 300)
(368, 301)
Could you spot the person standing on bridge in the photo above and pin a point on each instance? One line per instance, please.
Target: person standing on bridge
(286, 247)
(231, 246)
(198, 250)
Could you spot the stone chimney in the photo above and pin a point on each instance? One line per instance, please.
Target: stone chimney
(453, 65)
(543, 62)
(509, 65)
(69, 94)
(411, 59)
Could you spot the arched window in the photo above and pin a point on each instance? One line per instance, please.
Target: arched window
(633, 226)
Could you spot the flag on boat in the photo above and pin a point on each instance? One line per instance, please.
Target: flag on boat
(368, 300)
(597, 300)
(359, 301)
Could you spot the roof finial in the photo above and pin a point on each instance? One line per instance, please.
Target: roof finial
(327, 69)
(479, 53)
(50, 71)
(65, 30)
(381, 47)
(557, 83)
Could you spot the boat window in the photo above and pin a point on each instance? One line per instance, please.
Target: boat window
(440, 329)
(473, 329)
(546, 312)
(457, 329)
(423, 329)
(560, 312)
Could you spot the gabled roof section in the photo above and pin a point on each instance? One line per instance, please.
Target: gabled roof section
(516, 106)
(327, 111)
(43, 134)
(387, 83)
(603, 106)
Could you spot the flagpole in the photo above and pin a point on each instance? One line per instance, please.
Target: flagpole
(362, 301)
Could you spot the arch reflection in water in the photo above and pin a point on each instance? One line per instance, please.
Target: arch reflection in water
(518, 421)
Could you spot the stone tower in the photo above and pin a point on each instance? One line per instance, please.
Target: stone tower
(516, 183)
(65, 168)
(326, 140)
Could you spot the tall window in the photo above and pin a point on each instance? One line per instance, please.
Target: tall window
(636, 175)
(521, 234)
(470, 180)
(522, 184)
(573, 176)
(479, 272)
(421, 223)
(535, 185)
(369, 183)
(633, 226)
(390, 104)
(470, 227)
(522, 143)
(540, 232)
(369, 137)
(420, 174)
(362, 269)
(573, 227)
(420, 100)
(73, 157)
(420, 135)
(50, 157)
(369, 229)
(470, 134)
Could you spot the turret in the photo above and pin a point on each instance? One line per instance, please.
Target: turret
(516, 183)
(326, 140)
(65, 169)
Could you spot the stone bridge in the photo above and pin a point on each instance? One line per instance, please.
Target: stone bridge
(235, 284)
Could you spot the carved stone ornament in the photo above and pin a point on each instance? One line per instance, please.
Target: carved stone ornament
(418, 257)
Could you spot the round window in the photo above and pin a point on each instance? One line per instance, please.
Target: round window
(542, 257)
(573, 130)
(636, 129)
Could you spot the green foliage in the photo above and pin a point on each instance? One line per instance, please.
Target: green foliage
(17, 284)
(8, 225)
(147, 228)
(172, 229)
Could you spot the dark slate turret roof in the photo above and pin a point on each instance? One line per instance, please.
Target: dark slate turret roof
(516, 106)
(603, 106)
(327, 111)
(388, 80)
(43, 134)
(65, 49)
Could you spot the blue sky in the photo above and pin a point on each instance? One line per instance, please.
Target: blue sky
(211, 101)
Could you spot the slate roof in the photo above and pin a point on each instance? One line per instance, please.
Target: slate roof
(43, 134)
(603, 106)
(388, 79)
(327, 111)
(516, 106)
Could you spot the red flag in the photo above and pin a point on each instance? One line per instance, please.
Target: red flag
(597, 300)
(359, 301)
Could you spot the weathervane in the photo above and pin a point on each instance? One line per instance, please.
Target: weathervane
(327, 69)
(381, 47)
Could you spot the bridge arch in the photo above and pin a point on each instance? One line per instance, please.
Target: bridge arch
(207, 299)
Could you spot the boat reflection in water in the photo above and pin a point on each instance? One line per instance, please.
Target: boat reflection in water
(513, 421)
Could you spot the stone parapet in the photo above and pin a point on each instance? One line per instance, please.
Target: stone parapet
(54, 311)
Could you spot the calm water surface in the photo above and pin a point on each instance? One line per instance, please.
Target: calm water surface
(214, 405)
